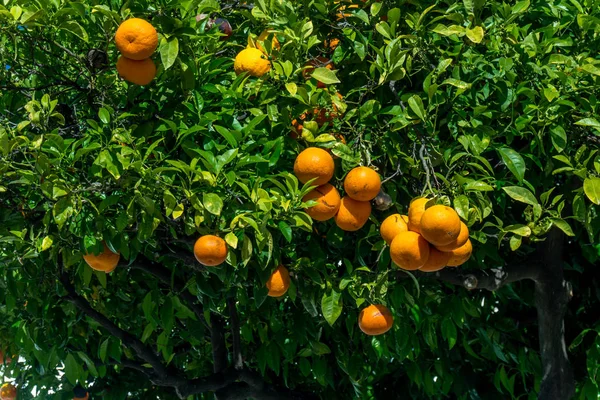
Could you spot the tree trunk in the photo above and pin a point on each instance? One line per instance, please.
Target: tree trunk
(552, 295)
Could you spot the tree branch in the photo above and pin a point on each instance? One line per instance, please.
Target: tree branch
(217, 340)
(238, 363)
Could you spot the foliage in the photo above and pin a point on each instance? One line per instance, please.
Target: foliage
(490, 106)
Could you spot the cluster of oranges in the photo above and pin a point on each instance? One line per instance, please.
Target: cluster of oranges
(427, 239)
(361, 185)
(137, 40)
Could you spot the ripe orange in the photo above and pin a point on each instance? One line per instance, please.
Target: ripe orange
(106, 261)
(86, 397)
(437, 260)
(328, 202)
(461, 255)
(462, 238)
(362, 184)
(139, 72)
(136, 39)
(409, 250)
(440, 225)
(314, 162)
(375, 319)
(8, 392)
(353, 214)
(415, 212)
(317, 62)
(279, 282)
(331, 44)
(405, 218)
(210, 250)
(253, 61)
(391, 226)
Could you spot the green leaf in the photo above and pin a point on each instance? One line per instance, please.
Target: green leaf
(47, 243)
(72, 369)
(449, 332)
(591, 187)
(449, 30)
(592, 69)
(559, 138)
(62, 211)
(513, 161)
(515, 242)
(520, 7)
(475, 35)
(166, 314)
(521, 194)
(292, 88)
(588, 122)
(213, 203)
(169, 49)
(518, 229)
(456, 83)
(319, 348)
(331, 306)
(73, 27)
(232, 240)
(104, 115)
(563, 226)
(286, 230)
(88, 362)
(325, 75)
(416, 104)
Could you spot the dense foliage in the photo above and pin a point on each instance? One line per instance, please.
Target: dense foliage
(490, 106)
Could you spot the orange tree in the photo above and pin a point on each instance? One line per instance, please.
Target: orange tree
(488, 107)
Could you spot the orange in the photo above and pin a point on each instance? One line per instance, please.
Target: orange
(328, 199)
(210, 250)
(405, 218)
(136, 39)
(253, 61)
(138, 72)
(409, 250)
(353, 214)
(391, 226)
(314, 162)
(279, 282)
(317, 62)
(462, 238)
(461, 255)
(331, 44)
(440, 225)
(375, 319)
(8, 392)
(341, 15)
(275, 46)
(106, 261)
(86, 397)
(437, 260)
(362, 184)
(415, 212)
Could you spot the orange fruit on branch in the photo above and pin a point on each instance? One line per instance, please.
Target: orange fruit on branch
(362, 184)
(331, 44)
(375, 319)
(409, 250)
(279, 282)
(353, 214)
(8, 392)
(253, 61)
(314, 162)
(415, 212)
(210, 250)
(462, 238)
(328, 199)
(437, 260)
(106, 261)
(440, 225)
(461, 255)
(392, 226)
(140, 72)
(136, 39)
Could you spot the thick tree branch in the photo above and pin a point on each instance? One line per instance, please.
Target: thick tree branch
(238, 363)
(217, 340)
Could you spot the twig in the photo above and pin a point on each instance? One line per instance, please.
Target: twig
(425, 167)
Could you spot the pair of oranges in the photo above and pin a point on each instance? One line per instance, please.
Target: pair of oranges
(137, 40)
(362, 184)
(427, 239)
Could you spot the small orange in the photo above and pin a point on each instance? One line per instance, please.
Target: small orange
(136, 39)
(139, 72)
(462, 238)
(331, 44)
(328, 202)
(415, 212)
(353, 214)
(437, 260)
(461, 255)
(391, 226)
(106, 261)
(440, 225)
(314, 162)
(279, 282)
(362, 184)
(253, 61)
(375, 319)
(86, 397)
(409, 250)
(8, 392)
(210, 250)
(317, 62)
